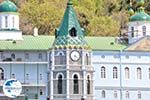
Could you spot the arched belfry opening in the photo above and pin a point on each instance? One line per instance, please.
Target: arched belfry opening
(73, 32)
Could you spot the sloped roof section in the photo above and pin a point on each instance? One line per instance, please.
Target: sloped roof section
(42, 42)
(104, 43)
(141, 45)
(29, 42)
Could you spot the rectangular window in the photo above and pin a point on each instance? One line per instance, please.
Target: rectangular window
(144, 30)
(132, 31)
(6, 21)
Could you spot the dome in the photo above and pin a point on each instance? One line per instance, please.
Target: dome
(140, 16)
(8, 6)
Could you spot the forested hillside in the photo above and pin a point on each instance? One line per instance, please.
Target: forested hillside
(98, 17)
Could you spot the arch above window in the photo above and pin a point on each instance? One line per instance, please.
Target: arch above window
(75, 74)
(58, 75)
(61, 53)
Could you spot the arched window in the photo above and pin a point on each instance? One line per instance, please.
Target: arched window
(139, 95)
(27, 76)
(103, 94)
(13, 76)
(115, 94)
(41, 76)
(40, 56)
(144, 30)
(115, 73)
(60, 85)
(75, 84)
(88, 84)
(1, 74)
(41, 92)
(149, 73)
(127, 95)
(73, 32)
(6, 21)
(87, 59)
(103, 72)
(132, 31)
(139, 73)
(13, 56)
(26, 56)
(127, 73)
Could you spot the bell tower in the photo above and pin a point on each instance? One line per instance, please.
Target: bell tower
(71, 72)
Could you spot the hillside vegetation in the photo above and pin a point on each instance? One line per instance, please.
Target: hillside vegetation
(98, 17)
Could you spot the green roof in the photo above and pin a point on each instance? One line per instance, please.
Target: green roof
(42, 42)
(28, 43)
(104, 43)
(8, 6)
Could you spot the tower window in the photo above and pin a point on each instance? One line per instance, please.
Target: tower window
(88, 84)
(87, 59)
(73, 32)
(59, 87)
(41, 92)
(75, 84)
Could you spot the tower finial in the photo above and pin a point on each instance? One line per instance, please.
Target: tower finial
(70, 2)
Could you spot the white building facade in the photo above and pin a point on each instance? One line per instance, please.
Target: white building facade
(71, 66)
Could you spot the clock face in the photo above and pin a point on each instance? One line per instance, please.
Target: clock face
(75, 55)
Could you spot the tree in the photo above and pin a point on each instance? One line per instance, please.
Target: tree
(42, 14)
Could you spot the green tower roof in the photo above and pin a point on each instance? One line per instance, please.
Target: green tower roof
(69, 23)
(8, 6)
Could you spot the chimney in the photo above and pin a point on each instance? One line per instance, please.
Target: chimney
(35, 31)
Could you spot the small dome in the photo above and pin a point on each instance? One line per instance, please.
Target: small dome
(141, 16)
(131, 11)
(8, 6)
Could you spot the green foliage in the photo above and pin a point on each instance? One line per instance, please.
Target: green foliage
(98, 17)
